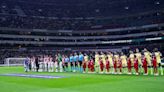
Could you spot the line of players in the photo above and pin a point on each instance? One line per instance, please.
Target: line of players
(110, 63)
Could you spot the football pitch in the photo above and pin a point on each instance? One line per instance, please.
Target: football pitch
(77, 82)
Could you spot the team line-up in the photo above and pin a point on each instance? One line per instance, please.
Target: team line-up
(110, 63)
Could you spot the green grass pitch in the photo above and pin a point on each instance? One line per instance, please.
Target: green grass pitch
(76, 82)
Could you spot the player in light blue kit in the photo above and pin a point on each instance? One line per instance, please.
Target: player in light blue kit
(76, 58)
(71, 62)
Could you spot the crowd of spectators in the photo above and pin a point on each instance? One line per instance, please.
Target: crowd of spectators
(79, 15)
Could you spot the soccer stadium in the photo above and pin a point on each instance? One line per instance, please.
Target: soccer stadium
(82, 45)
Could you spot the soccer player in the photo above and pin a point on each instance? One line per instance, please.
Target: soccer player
(26, 64)
(37, 63)
(50, 64)
(63, 62)
(110, 58)
(103, 56)
(154, 62)
(124, 62)
(75, 63)
(119, 65)
(107, 66)
(131, 64)
(148, 57)
(41, 63)
(91, 66)
(139, 58)
(33, 66)
(97, 56)
(60, 62)
(136, 65)
(71, 62)
(56, 63)
(45, 63)
(101, 65)
(85, 63)
(115, 62)
(81, 59)
(66, 63)
(158, 56)
(145, 64)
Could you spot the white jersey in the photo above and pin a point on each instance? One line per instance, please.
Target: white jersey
(50, 59)
(45, 59)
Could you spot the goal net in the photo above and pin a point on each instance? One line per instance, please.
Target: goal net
(14, 61)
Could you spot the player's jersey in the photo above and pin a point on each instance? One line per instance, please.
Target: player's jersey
(116, 58)
(110, 57)
(66, 60)
(45, 59)
(81, 57)
(59, 58)
(147, 56)
(97, 58)
(71, 58)
(139, 57)
(86, 58)
(103, 58)
(75, 58)
(158, 56)
(123, 59)
(131, 58)
(50, 59)
(63, 59)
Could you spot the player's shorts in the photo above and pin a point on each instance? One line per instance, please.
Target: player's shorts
(115, 64)
(66, 64)
(101, 65)
(91, 65)
(107, 65)
(80, 63)
(129, 64)
(84, 65)
(144, 63)
(119, 64)
(154, 63)
(135, 65)
(71, 63)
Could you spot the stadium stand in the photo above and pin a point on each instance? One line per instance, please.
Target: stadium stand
(46, 25)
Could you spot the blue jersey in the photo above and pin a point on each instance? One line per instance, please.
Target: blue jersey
(66, 60)
(76, 58)
(81, 57)
(71, 59)
(26, 61)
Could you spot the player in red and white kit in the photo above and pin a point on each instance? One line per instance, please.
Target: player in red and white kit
(45, 63)
(33, 65)
(50, 64)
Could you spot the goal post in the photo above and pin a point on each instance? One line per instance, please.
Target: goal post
(14, 61)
